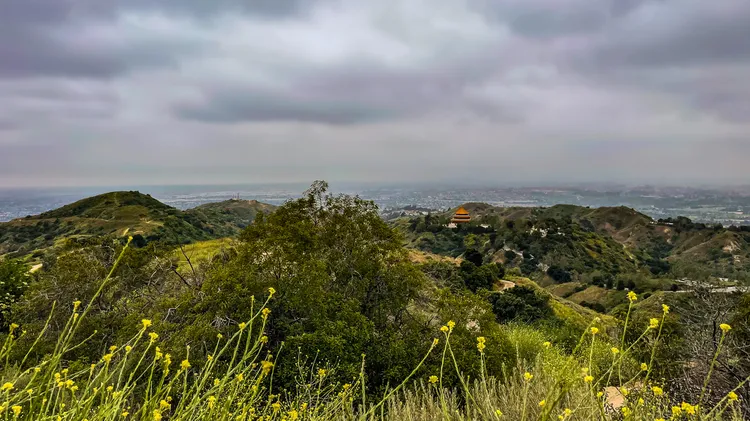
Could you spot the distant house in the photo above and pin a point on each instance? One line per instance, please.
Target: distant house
(461, 216)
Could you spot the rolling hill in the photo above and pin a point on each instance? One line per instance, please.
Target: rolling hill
(586, 243)
(127, 213)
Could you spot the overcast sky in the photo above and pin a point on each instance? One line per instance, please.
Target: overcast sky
(97, 92)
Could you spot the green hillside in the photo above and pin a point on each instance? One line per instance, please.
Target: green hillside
(126, 213)
(593, 254)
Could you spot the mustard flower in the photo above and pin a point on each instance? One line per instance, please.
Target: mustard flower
(16, 410)
(542, 403)
(594, 330)
(271, 291)
(146, 323)
(725, 327)
(632, 296)
(732, 396)
(588, 379)
(665, 308)
(6, 387)
(528, 376)
(433, 379)
(644, 366)
(653, 323)
(185, 364)
(657, 390)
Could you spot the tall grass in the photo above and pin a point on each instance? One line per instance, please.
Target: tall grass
(137, 380)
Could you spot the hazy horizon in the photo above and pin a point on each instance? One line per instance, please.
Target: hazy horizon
(478, 92)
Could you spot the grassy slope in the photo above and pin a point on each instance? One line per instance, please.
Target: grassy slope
(126, 213)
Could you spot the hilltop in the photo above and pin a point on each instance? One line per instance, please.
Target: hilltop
(124, 213)
(589, 255)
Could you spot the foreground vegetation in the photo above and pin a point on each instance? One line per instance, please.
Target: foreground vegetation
(137, 380)
(348, 327)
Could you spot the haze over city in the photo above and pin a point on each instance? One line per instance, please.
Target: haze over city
(515, 92)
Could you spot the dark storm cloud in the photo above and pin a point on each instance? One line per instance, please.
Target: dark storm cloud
(662, 35)
(31, 41)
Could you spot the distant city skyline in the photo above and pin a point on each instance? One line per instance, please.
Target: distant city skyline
(517, 92)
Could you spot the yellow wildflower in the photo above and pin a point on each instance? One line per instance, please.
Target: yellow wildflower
(185, 364)
(76, 304)
(109, 388)
(588, 379)
(263, 339)
(211, 401)
(547, 344)
(614, 350)
(599, 394)
(16, 410)
(451, 324)
(157, 415)
(124, 414)
(732, 396)
(433, 379)
(657, 390)
(30, 391)
(107, 358)
(528, 376)
(725, 327)
(271, 291)
(293, 415)
(321, 372)
(653, 323)
(128, 349)
(146, 323)
(444, 329)
(164, 405)
(626, 411)
(676, 411)
(542, 403)
(480, 344)
(242, 325)
(665, 308)
(594, 330)
(240, 377)
(113, 348)
(690, 409)
(6, 387)
(435, 341)
(644, 366)
(266, 311)
(266, 366)
(153, 336)
(499, 413)
(276, 406)
(219, 336)
(217, 382)
(13, 326)
(632, 296)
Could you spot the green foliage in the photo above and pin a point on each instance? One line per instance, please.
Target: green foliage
(520, 304)
(14, 279)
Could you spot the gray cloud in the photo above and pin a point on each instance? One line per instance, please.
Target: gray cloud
(349, 89)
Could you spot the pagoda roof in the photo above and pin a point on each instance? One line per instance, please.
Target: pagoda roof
(462, 211)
